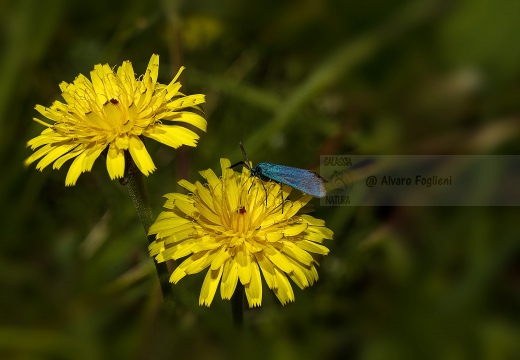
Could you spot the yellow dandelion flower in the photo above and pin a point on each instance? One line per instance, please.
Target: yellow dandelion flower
(114, 110)
(230, 227)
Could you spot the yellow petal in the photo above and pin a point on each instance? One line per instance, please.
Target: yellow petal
(91, 157)
(267, 268)
(290, 211)
(206, 243)
(310, 273)
(178, 197)
(49, 113)
(313, 247)
(156, 102)
(42, 122)
(115, 162)
(172, 89)
(187, 185)
(47, 136)
(186, 207)
(172, 135)
(299, 278)
(56, 152)
(77, 151)
(231, 187)
(296, 253)
(127, 76)
(149, 80)
(165, 229)
(75, 169)
(220, 259)
(112, 84)
(284, 291)
(323, 231)
(244, 265)
(204, 194)
(311, 220)
(38, 154)
(273, 236)
(155, 248)
(97, 76)
(209, 287)
(186, 102)
(188, 118)
(175, 226)
(167, 215)
(201, 263)
(295, 229)
(153, 68)
(182, 249)
(229, 280)
(254, 287)
(312, 236)
(214, 184)
(177, 275)
(278, 258)
(140, 156)
(179, 272)
(210, 216)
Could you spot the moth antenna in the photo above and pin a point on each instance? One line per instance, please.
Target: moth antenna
(244, 152)
(240, 163)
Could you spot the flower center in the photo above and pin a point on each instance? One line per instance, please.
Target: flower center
(241, 221)
(118, 117)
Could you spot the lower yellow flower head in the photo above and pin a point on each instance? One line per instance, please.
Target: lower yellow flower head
(114, 111)
(228, 226)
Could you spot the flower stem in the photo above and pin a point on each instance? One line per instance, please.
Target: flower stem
(133, 181)
(237, 305)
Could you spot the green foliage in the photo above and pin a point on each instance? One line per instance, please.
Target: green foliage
(293, 80)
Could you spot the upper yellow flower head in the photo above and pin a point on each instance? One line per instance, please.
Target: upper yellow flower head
(230, 227)
(114, 110)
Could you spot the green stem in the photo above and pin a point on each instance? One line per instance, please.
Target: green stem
(237, 305)
(133, 180)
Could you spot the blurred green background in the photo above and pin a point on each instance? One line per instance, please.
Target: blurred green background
(293, 80)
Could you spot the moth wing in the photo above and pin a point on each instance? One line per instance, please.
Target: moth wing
(308, 182)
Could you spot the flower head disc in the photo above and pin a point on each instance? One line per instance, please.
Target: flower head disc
(230, 227)
(114, 110)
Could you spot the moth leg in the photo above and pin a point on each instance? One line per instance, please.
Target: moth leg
(252, 182)
(281, 188)
(266, 194)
